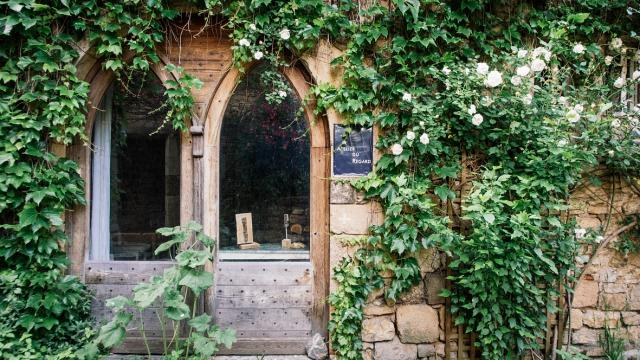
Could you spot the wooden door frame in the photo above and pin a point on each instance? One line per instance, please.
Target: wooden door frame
(320, 173)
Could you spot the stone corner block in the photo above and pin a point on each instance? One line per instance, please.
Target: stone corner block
(417, 324)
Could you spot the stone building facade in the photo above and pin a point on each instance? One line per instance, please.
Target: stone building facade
(417, 326)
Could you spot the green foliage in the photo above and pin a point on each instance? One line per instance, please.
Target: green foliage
(416, 71)
(188, 279)
(629, 242)
(612, 345)
(43, 103)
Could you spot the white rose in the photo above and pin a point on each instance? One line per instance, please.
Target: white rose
(477, 119)
(619, 82)
(411, 135)
(258, 55)
(522, 70)
(472, 109)
(572, 116)
(611, 153)
(578, 48)
(282, 93)
(424, 138)
(285, 34)
(482, 68)
(562, 143)
(580, 233)
(616, 43)
(396, 149)
(522, 53)
(527, 100)
(244, 42)
(421, 123)
(615, 123)
(635, 75)
(494, 78)
(538, 65)
(546, 54)
(446, 70)
(562, 100)
(516, 80)
(579, 108)
(252, 27)
(608, 60)
(406, 97)
(599, 239)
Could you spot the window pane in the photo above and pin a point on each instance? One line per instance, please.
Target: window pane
(264, 168)
(144, 171)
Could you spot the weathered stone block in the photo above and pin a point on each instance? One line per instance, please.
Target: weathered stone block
(342, 193)
(434, 283)
(417, 324)
(615, 288)
(585, 336)
(630, 318)
(634, 298)
(586, 294)
(355, 219)
(425, 350)
(608, 275)
(597, 319)
(395, 350)
(415, 295)
(377, 309)
(576, 319)
(377, 329)
(428, 260)
(588, 222)
(613, 301)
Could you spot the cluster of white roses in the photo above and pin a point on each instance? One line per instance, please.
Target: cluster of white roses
(397, 149)
(285, 34)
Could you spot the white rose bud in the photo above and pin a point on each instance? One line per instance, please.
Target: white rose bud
(396, 149)
(482, 68)
(608, 60)
(578, 48)
(406, 97)
(619, 83)
(258, 55)
(472, 109)
(579, 108)
(411, 135)
(538, 65)
(522, 53)
(494, 78)
(573, 116)
(424, 138)
(244, 42)
(522, 70)
(285, 34)
(516, 80)
(477, 119)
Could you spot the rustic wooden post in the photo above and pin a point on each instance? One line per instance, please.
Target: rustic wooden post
(197, 139)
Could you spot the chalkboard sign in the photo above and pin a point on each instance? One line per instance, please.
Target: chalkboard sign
(352, 153)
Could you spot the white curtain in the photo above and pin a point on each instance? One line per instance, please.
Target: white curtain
(101, 182)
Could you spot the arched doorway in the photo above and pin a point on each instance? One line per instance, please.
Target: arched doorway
(273, 296)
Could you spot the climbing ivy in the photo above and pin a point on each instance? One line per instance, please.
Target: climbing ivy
(43, 105)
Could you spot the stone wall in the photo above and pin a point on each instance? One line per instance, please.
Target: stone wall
(609, 293)
(414, 328)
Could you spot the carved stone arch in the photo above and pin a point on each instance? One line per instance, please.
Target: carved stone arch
(78, 220)
(320, 173)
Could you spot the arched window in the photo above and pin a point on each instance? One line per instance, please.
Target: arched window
(135, 177)
(264, 174)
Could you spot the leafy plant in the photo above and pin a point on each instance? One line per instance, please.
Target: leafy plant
(188, 279)
(612, 345)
